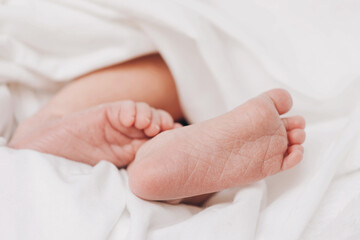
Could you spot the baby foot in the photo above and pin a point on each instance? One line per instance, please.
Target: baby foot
(242, 146)
(112, 132)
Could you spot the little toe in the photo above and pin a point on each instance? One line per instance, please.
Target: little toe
(281, 99)
(143, 115)
(177, 125)
(127, 114)
(167, 122)
(296, 136)
(296, 147)
(294, 122)
(125, 154)
(294, 156)
(154, 127)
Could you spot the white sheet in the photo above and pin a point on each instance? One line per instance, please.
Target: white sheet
(221, 53)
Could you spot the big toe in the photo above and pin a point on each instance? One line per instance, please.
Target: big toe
(281, 99)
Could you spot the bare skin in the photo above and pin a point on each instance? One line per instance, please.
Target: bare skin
(112, 132)
(162, 164)
(242, 146)
(145, 79)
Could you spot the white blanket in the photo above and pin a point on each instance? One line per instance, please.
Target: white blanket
(220, 53)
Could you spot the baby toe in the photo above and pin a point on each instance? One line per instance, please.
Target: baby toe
(167, 122)
(294, 156)
(296, 147)
(143, 115)
(154, 127)
(127, 113)
(294, 122)
(292, 160)
(177, 125)
(296, 136)
(281, 99)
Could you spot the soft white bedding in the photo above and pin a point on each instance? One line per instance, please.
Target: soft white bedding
(221, 53)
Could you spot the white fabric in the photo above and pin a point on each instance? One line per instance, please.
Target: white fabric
(221, 53)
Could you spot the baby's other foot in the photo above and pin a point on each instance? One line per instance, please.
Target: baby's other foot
(112, 132)
(242, 146)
